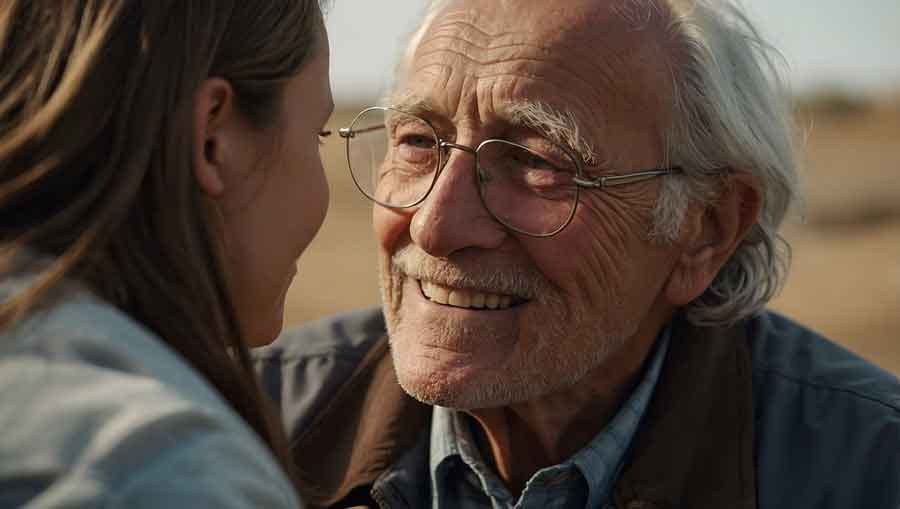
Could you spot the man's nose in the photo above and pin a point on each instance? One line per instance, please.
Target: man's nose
(453, 216)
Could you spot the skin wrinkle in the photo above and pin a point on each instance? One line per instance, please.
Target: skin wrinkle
(559, 90)
(573, 51)
(569, 49)
(485, 74)
(621, 60)
(586, 58)
(464, 21)
(537, 115)
(491, 275)
(492, 47)
(621, 216)
(509, 48)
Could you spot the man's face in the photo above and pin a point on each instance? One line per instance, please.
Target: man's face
(566, 304)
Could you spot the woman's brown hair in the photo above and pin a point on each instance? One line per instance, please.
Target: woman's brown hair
(96, 101)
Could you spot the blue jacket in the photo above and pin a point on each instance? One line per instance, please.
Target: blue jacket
(764, 414)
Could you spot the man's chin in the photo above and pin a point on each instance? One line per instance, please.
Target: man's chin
(432, 394)
(460, 386)
(433, 382)
(437, 390)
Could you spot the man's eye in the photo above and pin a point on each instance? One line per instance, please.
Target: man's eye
(413, 148)
(417, 141)
(533, 161)
(322, 136)
(536, 162)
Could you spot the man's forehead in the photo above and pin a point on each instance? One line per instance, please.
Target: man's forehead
(596, 58)
(548, 23)
(618, 46)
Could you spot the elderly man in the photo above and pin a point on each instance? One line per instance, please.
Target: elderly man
(577, 207)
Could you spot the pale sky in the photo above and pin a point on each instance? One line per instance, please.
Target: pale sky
(851, 44)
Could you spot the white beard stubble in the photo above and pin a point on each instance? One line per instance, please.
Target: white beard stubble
(568, 341)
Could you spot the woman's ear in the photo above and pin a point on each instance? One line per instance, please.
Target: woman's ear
(213, 112)
(711, 236)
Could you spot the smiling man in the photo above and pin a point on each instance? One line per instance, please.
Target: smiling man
(577, 206)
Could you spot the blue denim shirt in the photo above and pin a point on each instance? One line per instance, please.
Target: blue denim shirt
(461, 479)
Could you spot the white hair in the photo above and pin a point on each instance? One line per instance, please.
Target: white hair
(729, 110)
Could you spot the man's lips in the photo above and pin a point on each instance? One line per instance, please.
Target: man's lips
(467, 298)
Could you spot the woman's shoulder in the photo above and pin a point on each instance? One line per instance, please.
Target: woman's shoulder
(96, 409)
(78, 331)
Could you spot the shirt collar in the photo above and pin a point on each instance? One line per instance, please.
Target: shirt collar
(600, 461)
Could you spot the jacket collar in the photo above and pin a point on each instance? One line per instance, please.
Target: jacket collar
(695, 446)
(365, 429)
(693, 449)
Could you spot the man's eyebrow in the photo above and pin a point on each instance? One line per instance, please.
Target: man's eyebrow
(557, 126)
(411, 104)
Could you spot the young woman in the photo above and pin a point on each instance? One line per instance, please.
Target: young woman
(159, 178)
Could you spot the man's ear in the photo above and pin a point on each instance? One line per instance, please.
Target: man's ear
(213, 112)
(711, 236)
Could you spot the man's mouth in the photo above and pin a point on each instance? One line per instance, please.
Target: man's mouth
(467, 298)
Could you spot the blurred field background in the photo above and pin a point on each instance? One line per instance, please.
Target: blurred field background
(845, 277)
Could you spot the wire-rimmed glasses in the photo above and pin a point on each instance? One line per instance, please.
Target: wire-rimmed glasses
(395, 159)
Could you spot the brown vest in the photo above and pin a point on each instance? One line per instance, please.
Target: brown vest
(693, 449)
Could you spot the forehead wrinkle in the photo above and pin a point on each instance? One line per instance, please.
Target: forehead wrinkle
(615, 62)
(453, 24)
(580, 31)
(564, 59)
(561, 127)
(463, 30)
(562, 88)
(496, 49)
(498, 60)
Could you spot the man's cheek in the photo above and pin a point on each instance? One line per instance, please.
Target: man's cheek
(590, 257)
(390, 227)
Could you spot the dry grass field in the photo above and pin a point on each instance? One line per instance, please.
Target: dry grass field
(845, 277)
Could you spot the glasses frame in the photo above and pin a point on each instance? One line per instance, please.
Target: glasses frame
(443, 147)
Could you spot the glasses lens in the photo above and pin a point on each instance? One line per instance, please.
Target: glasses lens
(527, 190)
(393, 156)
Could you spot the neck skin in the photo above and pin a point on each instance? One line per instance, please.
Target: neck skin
(525, 437)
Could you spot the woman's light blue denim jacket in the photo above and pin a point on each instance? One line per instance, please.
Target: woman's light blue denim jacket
(96, 411)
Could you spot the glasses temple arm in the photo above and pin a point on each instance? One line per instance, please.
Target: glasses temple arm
(346, 132)
(618, 180)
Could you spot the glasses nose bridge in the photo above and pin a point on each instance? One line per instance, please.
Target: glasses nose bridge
(446, 146)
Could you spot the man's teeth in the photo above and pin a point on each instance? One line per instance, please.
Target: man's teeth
(464, 298)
